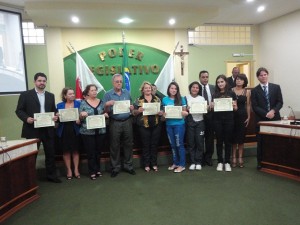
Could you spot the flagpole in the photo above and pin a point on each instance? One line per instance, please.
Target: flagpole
(126, 73)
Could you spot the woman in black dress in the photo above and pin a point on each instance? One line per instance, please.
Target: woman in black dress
(241, 118)
(68, 132)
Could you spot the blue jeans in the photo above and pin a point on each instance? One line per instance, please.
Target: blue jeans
(176, 138)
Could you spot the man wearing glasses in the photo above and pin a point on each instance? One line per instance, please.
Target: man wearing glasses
(120, 127)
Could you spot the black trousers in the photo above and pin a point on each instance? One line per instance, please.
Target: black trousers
(195, 140)
(224, 131)
(209, 136)
(93, 145)
(150, 138)
(48, 142)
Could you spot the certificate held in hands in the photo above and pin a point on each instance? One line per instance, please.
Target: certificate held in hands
(95, 122)
(173, 112)
(66, 115)
(43, 119)
(198, 107)
(121, 107)
(151, 108)
(223, 104)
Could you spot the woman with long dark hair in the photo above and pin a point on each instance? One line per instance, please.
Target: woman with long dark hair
(176, 127)
(224, 123)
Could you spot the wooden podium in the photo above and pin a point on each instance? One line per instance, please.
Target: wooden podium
(281, 149)
(18, 185)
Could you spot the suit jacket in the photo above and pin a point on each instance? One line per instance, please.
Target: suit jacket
(259, 102)
(230, 82)
(29, 104)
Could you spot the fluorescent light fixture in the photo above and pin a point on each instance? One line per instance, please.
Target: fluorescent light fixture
(125, 20)
(75, 19)
(250, 0)
(261, 8)
(172, 21)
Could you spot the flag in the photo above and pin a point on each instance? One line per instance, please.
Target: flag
(166, 76)
(84, 76)
(126, 72)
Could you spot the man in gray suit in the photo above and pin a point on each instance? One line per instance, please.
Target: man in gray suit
(266, 100)
(207, 92)
(37, 100)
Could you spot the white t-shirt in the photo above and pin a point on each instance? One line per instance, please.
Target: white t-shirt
(198, 116)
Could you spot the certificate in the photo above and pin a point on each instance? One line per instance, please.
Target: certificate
(223, 104)
(198, 107)
(173, 112)
(43, 119)
(121, 107)
(96, 121)
(66, 115)
(151, 108)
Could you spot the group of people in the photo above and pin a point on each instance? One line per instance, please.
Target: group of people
(200, 129)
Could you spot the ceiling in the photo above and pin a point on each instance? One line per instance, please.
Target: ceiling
(149, 14)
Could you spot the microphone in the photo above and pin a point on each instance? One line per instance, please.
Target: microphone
(294, 122)
(292, 111)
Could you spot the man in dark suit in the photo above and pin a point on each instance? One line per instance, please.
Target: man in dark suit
(266, 100)
(230, 80)
(207, 92)
(33, 101)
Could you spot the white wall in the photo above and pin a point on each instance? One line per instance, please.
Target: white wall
(278, 50)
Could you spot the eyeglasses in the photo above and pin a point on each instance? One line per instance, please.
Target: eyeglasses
(118, 81)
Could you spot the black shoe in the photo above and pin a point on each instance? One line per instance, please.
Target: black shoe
(114, 174)
(54, 180)
(132, 172)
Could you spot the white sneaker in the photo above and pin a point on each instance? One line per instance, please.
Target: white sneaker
(227, 167)
(220, 167)
(192, 167)
(198, 167)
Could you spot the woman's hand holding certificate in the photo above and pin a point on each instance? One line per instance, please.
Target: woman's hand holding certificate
(223, 104)
(173, 112)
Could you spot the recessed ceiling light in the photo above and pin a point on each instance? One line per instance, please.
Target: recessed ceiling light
(75, 19)
(261, 8)
(172, 21)
(125, 20)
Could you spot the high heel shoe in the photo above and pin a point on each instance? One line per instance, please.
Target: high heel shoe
(147, 169)
(233, 164)
(77, 176)
(69, 177)
(99, 174)
(241, 163)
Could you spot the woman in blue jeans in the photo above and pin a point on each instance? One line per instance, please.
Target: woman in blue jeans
(176, 127)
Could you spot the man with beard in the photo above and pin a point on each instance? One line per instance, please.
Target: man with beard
(37, 100)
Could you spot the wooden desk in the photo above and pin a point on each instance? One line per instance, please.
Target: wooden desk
(281, 149)
(17, 176)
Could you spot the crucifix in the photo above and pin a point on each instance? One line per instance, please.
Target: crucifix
(181, 54)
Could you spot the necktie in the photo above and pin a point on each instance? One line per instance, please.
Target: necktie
(205, 93)
(267, 97)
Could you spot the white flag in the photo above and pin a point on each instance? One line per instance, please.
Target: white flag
(84, 76)
(166, 76)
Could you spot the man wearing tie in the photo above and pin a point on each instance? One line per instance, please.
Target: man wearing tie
(207, 92)
(266, 99)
